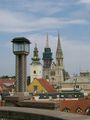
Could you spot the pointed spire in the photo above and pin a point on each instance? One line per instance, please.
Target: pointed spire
(47, 42)
(58, 43)
(59, 52)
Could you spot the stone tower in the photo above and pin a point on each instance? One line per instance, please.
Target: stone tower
(47, 60)
(36, 66)
(59, 63)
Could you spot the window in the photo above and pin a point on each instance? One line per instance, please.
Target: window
(35, 87)
(59, 62)
(53, 79)
(62, 96)
(52, 73)
(34, 71)
(77, 86)
(47, 77)
(66, 110)
(79, 110)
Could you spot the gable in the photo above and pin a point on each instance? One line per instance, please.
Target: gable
(46, 85)
(36, 83)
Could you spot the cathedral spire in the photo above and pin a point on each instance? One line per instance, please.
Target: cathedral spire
(59, 53)
(59, 49)
(59, 43)
(47, 42)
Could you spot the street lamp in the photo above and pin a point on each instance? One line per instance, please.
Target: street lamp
(21, 48)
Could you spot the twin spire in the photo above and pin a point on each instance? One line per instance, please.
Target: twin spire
(58, 51)
(58, 43)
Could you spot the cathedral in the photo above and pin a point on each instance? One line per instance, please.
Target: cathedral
(53, 71)
(50, 70)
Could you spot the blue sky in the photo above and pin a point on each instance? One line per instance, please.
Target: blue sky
(33, 19)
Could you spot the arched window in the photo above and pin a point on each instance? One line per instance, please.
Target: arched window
(34, 71)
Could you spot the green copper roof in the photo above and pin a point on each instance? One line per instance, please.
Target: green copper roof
(47, 54)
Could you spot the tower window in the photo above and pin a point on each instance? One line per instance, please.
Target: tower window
(52, 78)
(34, 71)
(52, 73)
(47, 77)
(58, 62)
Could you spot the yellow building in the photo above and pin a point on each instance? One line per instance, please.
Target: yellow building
(40, 86)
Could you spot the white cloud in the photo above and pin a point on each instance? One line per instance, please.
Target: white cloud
(17, 22)
(43, 7)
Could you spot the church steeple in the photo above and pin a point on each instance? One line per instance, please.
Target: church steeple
(36, 66)
(59, 43)
(59, 53)
(35, 54)
(47, 42)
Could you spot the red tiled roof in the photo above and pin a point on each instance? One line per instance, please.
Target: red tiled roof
(73, 105)
(4, 81)
(46, 85)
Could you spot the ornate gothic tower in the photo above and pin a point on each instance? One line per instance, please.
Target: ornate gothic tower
(36, 66)
(47, 60)
(59, 63)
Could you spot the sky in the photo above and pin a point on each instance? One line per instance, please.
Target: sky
(33, 19)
